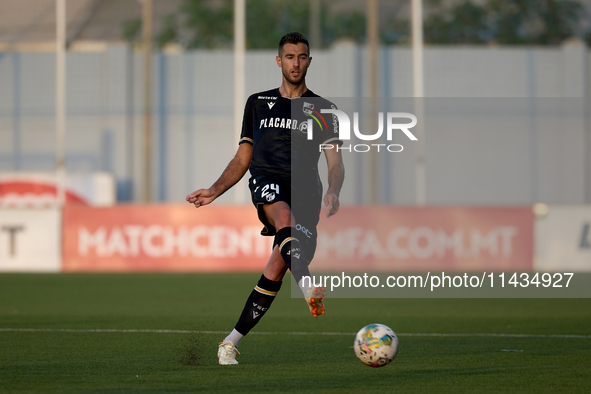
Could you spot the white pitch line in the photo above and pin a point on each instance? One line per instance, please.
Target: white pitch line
(114, 330)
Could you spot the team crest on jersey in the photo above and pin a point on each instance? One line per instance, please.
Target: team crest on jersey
(309, 110)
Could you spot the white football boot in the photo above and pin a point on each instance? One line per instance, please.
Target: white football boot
(227, 353)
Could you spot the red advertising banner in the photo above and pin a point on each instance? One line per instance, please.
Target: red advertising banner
(426, 238)
(163, 238)
(227, 238)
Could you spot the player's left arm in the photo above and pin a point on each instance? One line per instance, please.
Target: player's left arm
(336, 176)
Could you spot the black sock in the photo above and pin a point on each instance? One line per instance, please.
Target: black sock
(257, 304)
(293, 253)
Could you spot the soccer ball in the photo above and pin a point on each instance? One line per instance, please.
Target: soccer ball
(376, 345)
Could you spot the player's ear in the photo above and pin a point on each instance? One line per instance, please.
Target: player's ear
(278, 60)
(309, 60)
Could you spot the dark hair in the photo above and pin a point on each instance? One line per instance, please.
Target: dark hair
(293, 38)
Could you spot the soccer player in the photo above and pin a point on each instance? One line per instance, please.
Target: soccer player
(282, 151)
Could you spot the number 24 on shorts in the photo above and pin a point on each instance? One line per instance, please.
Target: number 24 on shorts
(265, 190)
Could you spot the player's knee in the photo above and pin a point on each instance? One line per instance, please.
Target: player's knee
(283, 219)
(279, 214)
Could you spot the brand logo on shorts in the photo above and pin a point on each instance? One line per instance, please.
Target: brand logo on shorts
(270, 197)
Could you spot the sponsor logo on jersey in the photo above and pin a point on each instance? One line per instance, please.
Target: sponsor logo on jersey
(281, 123)
(267, 98)
(335, 121)
(304, 127)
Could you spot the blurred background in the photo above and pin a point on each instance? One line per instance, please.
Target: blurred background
(140, 101)
(484, 48)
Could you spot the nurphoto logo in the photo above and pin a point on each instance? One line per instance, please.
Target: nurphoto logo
(344, 127)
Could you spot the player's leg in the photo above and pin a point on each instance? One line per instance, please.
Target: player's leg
(257, 304)
(279, 216)
(274, 216)
(294, 254)
(261, 297)
(287, 253)
(264, 293)
(306, 209)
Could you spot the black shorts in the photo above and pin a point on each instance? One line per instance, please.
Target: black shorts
(305, 208)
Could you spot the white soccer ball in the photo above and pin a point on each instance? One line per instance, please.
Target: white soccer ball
(376, 345)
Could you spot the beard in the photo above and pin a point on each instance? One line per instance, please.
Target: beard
(295, 80)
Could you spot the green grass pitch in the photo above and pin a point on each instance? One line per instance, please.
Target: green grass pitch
(55, 349)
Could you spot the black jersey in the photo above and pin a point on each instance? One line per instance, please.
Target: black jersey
(277, 127)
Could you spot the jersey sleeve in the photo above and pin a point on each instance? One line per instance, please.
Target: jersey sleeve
(247, 127)
(331, 135)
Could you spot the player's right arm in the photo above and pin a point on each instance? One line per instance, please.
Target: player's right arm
(231, 175)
